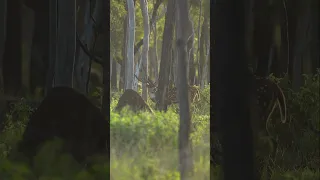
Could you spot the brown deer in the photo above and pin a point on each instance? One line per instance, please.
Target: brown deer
(171, 97)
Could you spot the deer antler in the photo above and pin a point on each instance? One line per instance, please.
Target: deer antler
(149, 82)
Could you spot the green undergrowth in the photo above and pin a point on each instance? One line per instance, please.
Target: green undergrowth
(145, 146)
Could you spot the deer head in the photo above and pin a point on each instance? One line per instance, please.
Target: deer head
(152, 87)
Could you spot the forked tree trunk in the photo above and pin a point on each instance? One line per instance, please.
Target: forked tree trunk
(166, 56)
(151, 23)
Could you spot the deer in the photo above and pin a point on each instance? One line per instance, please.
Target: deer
(171, 96)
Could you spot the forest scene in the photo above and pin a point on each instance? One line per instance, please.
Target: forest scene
(159, 89)
(145, 127)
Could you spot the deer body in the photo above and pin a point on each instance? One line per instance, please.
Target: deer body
(171, 97)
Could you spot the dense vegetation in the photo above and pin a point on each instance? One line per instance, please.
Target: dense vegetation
(144, 146)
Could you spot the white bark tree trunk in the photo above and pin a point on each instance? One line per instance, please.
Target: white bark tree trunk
(129, 71)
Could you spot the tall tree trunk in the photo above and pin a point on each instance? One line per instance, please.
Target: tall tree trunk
(12, 56)
(229, 53)
(40, 45)
(304, 41)
(82, 62)
(191, 61)
(249, 30)
(199, 44)
(202, 45)
(262, 36)
(185, 147)
(129, 71)
(27, 36)
(3, 34)
(104, 24)
(292, 24)
(208, 62)
(280, 35)
(174, 58)
(165, 56)
(124, 53)
(138, 70)
(155, 52)
(53, 37)
(82, 69)
(151, 23)
(144, 9)
(156, 64)
(66, 43)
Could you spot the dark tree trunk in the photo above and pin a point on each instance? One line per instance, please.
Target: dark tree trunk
(3, 34)
(230, 70)
(64, 67)
(262, 36)
(292, 23)
(166, 56)
(53, 28)
(106, 59)
(40, 44)
(12, 57)
(280, 36)
(306, 43)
